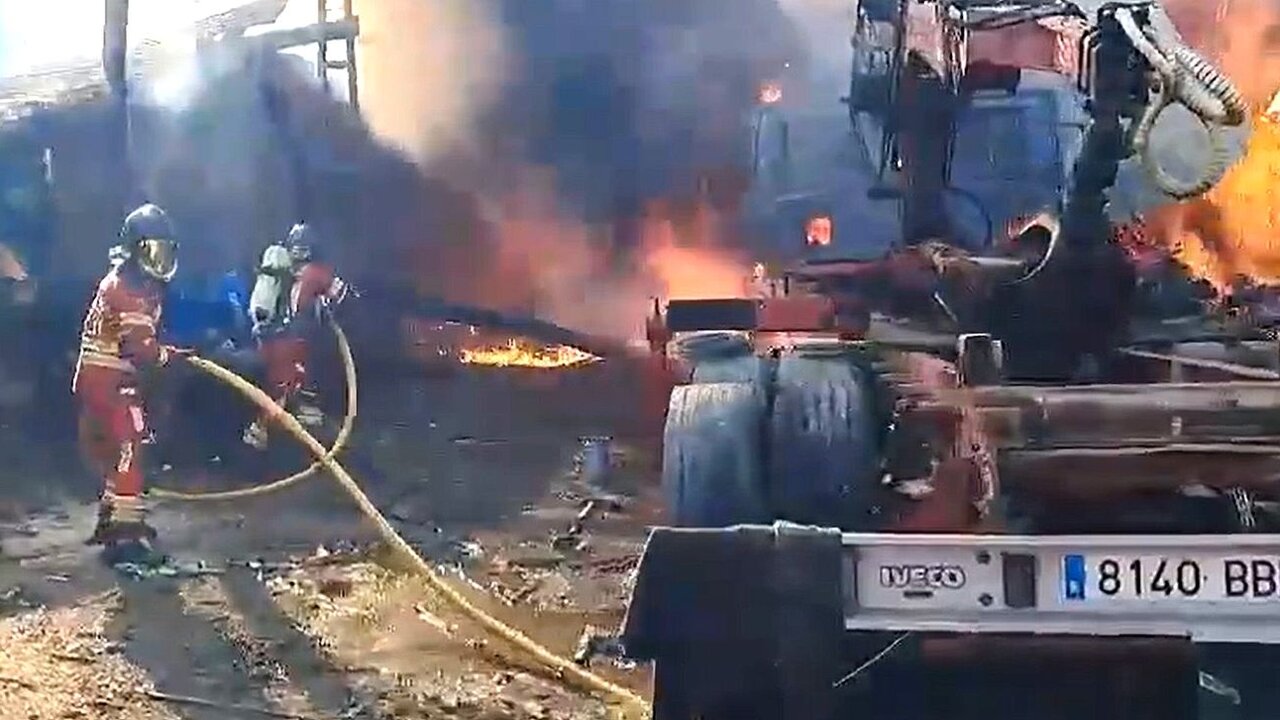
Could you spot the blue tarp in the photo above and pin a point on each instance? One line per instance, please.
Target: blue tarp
(197, 313)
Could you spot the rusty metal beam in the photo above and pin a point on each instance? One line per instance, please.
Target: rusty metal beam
(1088, 425)
(1230, 368)
(1097, 473)
(1186, 395)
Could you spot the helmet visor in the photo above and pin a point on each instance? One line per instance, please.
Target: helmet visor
(158, 258)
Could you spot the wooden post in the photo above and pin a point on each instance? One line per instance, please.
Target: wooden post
(115, 54)
(353, 87)
(114, 45)
(322, 52)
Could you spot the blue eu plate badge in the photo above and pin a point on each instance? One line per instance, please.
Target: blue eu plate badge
(1073, 577)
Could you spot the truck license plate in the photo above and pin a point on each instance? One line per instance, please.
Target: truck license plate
(1207, 577)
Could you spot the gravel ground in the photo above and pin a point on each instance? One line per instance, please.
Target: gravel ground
(296, 616)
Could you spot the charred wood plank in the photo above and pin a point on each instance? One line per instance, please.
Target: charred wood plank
(1254, 353)
(1224, 366)
(306, 35)
(1083, 473)
(1098, 425)
(1054, 419)
(1189, 395)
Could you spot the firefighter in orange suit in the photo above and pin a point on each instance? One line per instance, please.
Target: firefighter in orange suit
(293, 292)
(118, 339)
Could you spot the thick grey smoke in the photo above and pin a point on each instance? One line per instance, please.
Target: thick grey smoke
(575, 121)
(428, 71)
(564, 152)
(630, 100)
(205, 144)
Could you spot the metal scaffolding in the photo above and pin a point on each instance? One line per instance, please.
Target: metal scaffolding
(339, 14)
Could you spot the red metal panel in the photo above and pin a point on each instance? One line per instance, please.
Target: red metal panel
(1047, 44)
(796, 314)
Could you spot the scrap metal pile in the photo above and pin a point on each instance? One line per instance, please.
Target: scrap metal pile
(1086, 388)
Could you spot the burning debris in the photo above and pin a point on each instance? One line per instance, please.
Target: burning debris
(1231, 231)
(770, 93)
(518, 352)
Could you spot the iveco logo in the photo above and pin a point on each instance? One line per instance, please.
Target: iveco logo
(922, 577)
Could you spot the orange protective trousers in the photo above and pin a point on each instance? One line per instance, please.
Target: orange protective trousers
(285, 356)
(112, 426)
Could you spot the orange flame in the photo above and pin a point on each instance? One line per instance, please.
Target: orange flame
(818, 231)
(1272, 113)
(520, 353)
(1232, 230)
(770, 93)
(683, 260)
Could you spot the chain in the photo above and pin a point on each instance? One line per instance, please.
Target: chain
(1243, 501)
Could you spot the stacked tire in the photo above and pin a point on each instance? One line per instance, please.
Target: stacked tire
(756, 439)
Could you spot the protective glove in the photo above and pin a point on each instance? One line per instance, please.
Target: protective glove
(171, 352)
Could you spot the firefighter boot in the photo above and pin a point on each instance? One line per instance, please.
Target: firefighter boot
(122, 540)
(307, 411)
(255, 435)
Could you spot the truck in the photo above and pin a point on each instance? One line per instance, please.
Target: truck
(969, 479)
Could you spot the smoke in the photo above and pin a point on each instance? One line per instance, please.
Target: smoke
(604, 141)
(204, 145)
(826, 26)
(428, 70)
(571, 158)
(1242, 36)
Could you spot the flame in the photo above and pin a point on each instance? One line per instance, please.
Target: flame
(11, 268)
(539, 260)
(770, 93)
(684, 263)
(521, 353)
(1232, 230)
(1272, 113)
(818, 231)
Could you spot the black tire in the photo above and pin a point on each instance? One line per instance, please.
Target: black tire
(824, 444)
(747, 369)
(711, 467)
(723, 357)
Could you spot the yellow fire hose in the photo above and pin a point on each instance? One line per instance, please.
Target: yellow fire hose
(339, 443)
(631, 704)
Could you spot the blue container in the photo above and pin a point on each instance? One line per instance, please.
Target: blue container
(596, 463)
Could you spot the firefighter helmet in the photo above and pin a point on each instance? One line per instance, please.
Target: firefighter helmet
(299, 241)
(147, 235)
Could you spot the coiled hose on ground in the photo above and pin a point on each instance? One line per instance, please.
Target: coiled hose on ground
(628, 704)
(339, 443)
(1184, 78)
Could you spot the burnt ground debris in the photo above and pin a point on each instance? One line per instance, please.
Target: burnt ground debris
(295, 615)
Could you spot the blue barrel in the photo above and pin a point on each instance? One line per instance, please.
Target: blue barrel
(596, 462)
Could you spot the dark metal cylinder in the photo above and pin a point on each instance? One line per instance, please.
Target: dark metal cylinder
(596, 461)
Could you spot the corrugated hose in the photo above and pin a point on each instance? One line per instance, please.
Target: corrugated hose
(1184, 78)
(626, 704)
(339, 443)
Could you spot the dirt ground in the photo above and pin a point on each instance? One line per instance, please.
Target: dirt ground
(290, 610)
